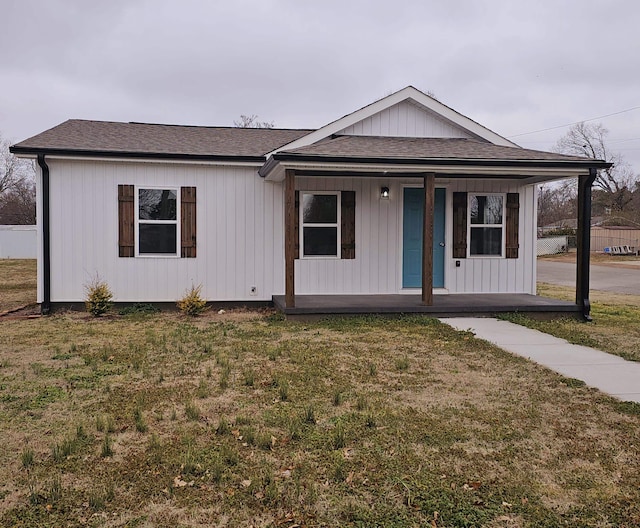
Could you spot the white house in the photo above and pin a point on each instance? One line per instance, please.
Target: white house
(404, 196)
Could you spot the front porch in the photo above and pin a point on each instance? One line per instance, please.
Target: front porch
(443, 305)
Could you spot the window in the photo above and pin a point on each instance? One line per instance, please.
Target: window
(148, 222)
(320, 220)
(157, 221)
(486, 224)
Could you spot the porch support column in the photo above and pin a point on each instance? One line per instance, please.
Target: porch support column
(427, 239)
(289, 237)
(584, 242)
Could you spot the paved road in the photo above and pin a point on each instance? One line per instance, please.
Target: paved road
(606, 278)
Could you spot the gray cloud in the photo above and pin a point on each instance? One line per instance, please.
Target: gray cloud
(514, 66)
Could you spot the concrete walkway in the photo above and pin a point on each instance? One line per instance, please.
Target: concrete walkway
(610, 374)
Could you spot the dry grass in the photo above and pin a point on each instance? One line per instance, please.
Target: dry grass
(430, 420)
(17, 283)
(244, 419)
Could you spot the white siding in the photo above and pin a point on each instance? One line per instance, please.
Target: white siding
(237, 215)
(240, 230)
(377, 267)
(406, 120)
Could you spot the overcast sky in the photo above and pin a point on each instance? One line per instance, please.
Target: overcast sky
(513, 66)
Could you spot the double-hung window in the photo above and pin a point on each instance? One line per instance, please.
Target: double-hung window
(320, 221)
(486, 225)
(157, 221)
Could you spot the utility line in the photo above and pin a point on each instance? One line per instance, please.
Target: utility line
(571, 124)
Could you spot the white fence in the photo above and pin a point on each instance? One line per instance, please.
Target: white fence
(552, 245)
(18, 242)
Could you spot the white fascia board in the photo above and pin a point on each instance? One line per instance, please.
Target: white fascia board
(168, 161)
(526, 175)
(406, 93)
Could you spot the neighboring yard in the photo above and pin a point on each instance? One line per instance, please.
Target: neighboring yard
(243, 419)
(17, 283)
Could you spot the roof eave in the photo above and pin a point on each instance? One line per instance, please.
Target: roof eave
(538, 170)
(31, 151)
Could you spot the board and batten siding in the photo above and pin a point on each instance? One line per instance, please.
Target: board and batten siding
(237, 216)
(377, 268)
(405, 120)
(240, 225)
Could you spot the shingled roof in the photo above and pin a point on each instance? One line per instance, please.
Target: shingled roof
(375, 147)
(82, 137)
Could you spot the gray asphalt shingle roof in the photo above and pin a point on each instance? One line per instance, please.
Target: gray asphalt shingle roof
(421, 148)
(79, 135)
(83, 137)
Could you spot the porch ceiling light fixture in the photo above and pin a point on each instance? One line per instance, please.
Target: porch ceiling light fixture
(384, 193)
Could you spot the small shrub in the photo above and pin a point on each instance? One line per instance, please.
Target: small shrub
(99, 297)
(192, 303)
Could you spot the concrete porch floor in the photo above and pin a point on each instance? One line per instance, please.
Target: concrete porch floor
(458, 305)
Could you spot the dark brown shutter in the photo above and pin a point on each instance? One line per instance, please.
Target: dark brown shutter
(512, 225)
(348, 224)
(126, 221)
(297, 241)
(459, 225)
(188, 221)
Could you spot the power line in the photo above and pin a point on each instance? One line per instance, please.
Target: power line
(571, 124)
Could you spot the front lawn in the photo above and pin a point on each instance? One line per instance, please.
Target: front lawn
(243, 419)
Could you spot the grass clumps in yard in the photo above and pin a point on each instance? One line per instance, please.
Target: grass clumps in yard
(342, 422)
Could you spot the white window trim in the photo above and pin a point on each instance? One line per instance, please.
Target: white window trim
(337, 225)
(501, 225)
(175, 222)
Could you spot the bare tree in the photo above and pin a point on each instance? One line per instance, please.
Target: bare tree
(18, 205)
(251, 121)
(556, 202)
(589, 140)
(17, 188)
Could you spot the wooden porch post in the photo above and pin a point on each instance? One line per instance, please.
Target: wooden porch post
(584, 242)
(427, 239)
(289, 237)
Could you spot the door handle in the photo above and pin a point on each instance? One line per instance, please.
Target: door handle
(441, 244)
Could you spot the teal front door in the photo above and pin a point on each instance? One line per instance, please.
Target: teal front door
(413, 208)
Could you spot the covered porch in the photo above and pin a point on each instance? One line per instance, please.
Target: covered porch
(477, 280)
(478, 305)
